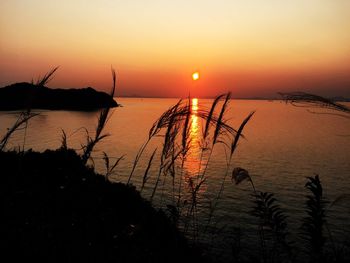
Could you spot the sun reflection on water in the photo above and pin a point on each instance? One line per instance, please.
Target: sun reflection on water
(193, 156)
(194, 106)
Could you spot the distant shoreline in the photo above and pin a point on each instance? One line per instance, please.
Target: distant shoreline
(101, 100)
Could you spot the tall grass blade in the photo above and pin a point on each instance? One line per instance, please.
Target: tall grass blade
(101, 123)
(136, 160)
(239, 132)
(210, 115)
(64, 145)
(219, 123)
(46, 78)
(22, 119)
(303, 99)
(109, 169)
(145, 176)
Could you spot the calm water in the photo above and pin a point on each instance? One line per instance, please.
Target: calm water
(283, 145)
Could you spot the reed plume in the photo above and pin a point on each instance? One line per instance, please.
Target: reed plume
(101, 123)
(211, 114)
(239, 134)
(302, 99)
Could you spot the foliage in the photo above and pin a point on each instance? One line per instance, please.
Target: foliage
(313, 224)
(272, 225)
(303, 99)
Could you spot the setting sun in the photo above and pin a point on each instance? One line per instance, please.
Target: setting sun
(195, 76)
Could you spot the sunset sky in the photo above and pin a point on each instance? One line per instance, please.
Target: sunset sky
(250, 47)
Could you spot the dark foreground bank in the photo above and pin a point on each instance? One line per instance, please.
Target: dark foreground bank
(56, 209)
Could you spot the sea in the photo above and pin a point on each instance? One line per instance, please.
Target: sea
(281, 147)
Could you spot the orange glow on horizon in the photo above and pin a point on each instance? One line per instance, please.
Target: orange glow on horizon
(253, 52)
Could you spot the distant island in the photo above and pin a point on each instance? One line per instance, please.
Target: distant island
(25, 95)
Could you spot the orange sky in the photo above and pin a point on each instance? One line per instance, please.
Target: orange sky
(250, 47)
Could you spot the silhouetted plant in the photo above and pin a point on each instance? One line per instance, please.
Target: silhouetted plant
(101, 123)
(239, 175)
(170, 150)
(219, 127)
(42, 81)
(303, 99)
(236, 173)
(177, 116)
(313, 225)
(207, 142)
(145, 175)
(55, 208)
(23, 118)
(64, 145)
(109, 168)
(272, 225)
(162, 122)
(174, 126)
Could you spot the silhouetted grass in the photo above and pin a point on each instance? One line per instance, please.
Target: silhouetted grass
(42, 81)
(145, 176)
(313, 224)
(23, 118)
(101, 123)
(302, 99)
(272, 226)
(174, 127)
(109, 167)
(56, 208)
(64, 144)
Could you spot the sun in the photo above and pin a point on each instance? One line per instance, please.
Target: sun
(195, 75)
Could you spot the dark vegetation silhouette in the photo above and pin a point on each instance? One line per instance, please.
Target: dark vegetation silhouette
(273, 227)
(302, 99)
(313, 225)
(56, 208)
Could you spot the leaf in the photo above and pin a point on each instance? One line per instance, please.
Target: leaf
(239, 175)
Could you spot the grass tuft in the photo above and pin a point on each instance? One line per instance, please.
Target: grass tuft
(101, 123)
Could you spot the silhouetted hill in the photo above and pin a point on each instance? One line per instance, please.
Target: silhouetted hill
(25, 95)
(56, 209)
